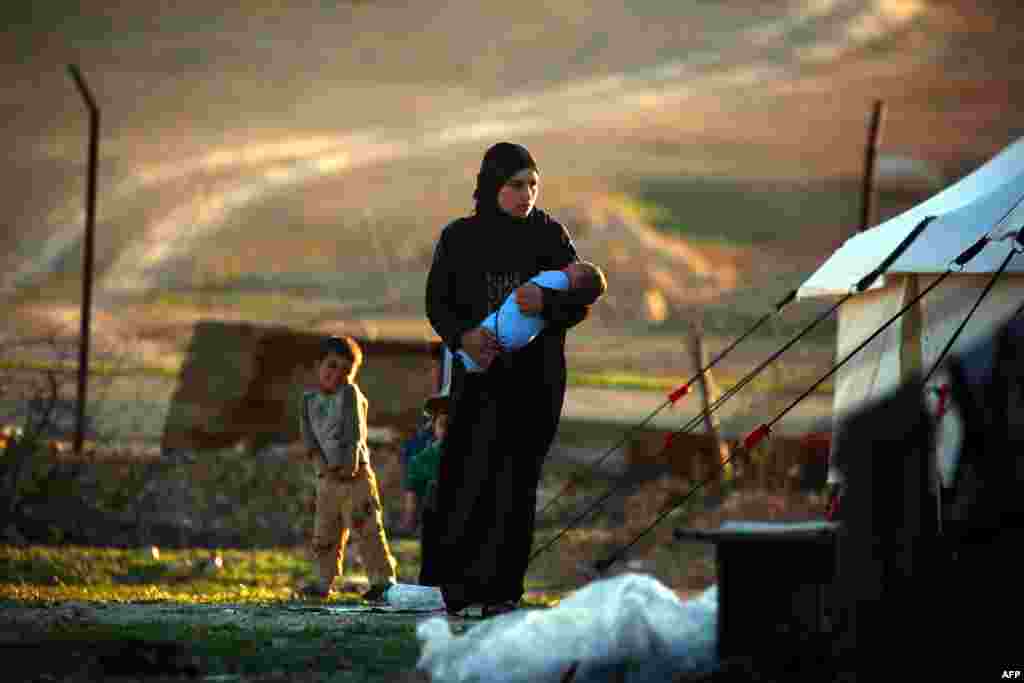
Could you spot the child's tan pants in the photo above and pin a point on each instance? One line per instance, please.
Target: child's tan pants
(341, 506)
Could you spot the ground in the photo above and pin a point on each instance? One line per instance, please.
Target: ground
(239, 622)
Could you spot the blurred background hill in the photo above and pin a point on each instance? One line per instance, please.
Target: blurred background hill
(295, 163)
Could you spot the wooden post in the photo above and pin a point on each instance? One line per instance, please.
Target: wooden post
(868, 201)
(87, 257)
(718, 449)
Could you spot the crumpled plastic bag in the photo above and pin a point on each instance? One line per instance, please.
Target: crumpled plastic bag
(413, 597)
(630, 624)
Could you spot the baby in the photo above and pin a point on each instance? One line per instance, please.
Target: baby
(515, 329)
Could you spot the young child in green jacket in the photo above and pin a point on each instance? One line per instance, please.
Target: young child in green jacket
(421, 478)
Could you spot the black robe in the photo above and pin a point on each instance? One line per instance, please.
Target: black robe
(503, 420)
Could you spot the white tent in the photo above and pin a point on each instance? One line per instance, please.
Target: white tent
(989, 201)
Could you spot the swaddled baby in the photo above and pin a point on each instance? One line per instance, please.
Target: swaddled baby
(514, 329)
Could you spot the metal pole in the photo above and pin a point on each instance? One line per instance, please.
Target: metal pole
(867, 202)
(87, 257)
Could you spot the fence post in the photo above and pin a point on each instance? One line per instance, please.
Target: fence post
(87, 256)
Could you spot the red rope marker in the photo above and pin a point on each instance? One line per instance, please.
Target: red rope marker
(755, 437)
(668, 440)
(943, 400)
(679, 393)
(833, 508)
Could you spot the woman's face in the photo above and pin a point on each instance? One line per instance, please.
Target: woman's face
(519, 193)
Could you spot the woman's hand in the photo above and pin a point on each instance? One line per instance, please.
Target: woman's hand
(530, 299)
(481, 345)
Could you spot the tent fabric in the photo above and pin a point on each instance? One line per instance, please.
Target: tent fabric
(875, 370)
(941, 316)
(948, 304)
(991, 199)
(879, 367)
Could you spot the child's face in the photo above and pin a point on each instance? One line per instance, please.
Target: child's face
(440, 426)
(333, 370)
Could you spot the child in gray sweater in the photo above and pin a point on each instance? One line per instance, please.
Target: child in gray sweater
(333, 426)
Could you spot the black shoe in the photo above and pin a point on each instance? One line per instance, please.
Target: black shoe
(313, 591)
(500, 608)
(377, 592)
(460, 608)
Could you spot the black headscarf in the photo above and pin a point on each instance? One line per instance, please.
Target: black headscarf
(501, 162)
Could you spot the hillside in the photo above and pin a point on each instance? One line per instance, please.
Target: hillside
(297, 166)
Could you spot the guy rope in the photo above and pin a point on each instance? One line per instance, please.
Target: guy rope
(758, 434)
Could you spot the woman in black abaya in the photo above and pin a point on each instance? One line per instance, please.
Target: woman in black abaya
(502, 420)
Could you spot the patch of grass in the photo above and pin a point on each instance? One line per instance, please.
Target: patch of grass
(43, 574)
(358, 652)
(613, 379)
(741, 213)
(46, 575)
(379, 648)
(765, 382)
(556, 472)
(96, 367)
(254, 305)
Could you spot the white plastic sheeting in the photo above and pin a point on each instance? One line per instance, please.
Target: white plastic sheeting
(414, 597)
(876, 369)
(630, 624)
